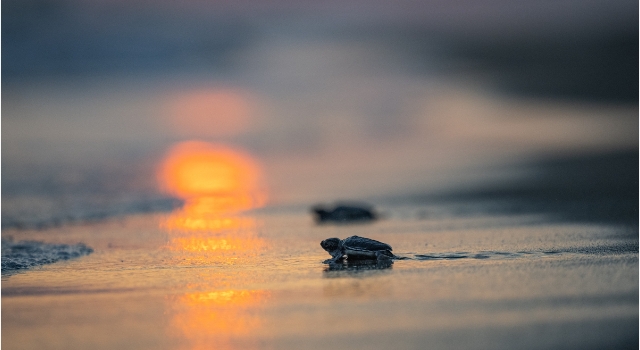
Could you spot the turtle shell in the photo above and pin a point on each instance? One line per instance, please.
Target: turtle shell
(364, 244)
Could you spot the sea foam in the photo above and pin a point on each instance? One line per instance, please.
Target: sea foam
(27, 254)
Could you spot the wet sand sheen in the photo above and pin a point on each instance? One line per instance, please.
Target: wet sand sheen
(137, 291)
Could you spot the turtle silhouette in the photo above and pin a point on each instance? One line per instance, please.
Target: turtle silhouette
(343, 213)
(357, 248)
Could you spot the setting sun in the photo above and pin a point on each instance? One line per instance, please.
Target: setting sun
(222, 178)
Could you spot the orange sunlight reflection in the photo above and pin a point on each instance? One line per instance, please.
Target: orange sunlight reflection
(217, 183)
(219, 319)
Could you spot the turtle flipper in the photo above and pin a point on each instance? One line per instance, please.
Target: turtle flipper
(337, 257)
(333, 261)
(384, 256)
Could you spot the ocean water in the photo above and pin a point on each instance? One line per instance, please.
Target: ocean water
(159, 165)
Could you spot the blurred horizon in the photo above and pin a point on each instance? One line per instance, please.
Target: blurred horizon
(336, 100)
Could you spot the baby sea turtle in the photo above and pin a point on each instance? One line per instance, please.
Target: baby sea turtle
(356, 248)
(343, 213)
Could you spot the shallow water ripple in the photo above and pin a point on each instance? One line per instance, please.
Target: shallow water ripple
(598, 250)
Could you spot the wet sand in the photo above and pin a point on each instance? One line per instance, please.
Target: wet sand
(257, 282)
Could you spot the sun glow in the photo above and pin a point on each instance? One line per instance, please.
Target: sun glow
(226, 179)
(207, 112)
(217, 185)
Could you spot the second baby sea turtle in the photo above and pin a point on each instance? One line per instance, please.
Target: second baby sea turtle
(343, 213)
(356, 248)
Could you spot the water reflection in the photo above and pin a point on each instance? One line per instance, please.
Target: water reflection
(357, 280)
(201, 233)
(218, 319)
(356, 268)
(218, 185)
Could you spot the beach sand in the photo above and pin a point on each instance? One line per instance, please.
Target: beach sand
(256, 281)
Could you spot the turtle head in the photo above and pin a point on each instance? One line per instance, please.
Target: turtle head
(330, 244)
